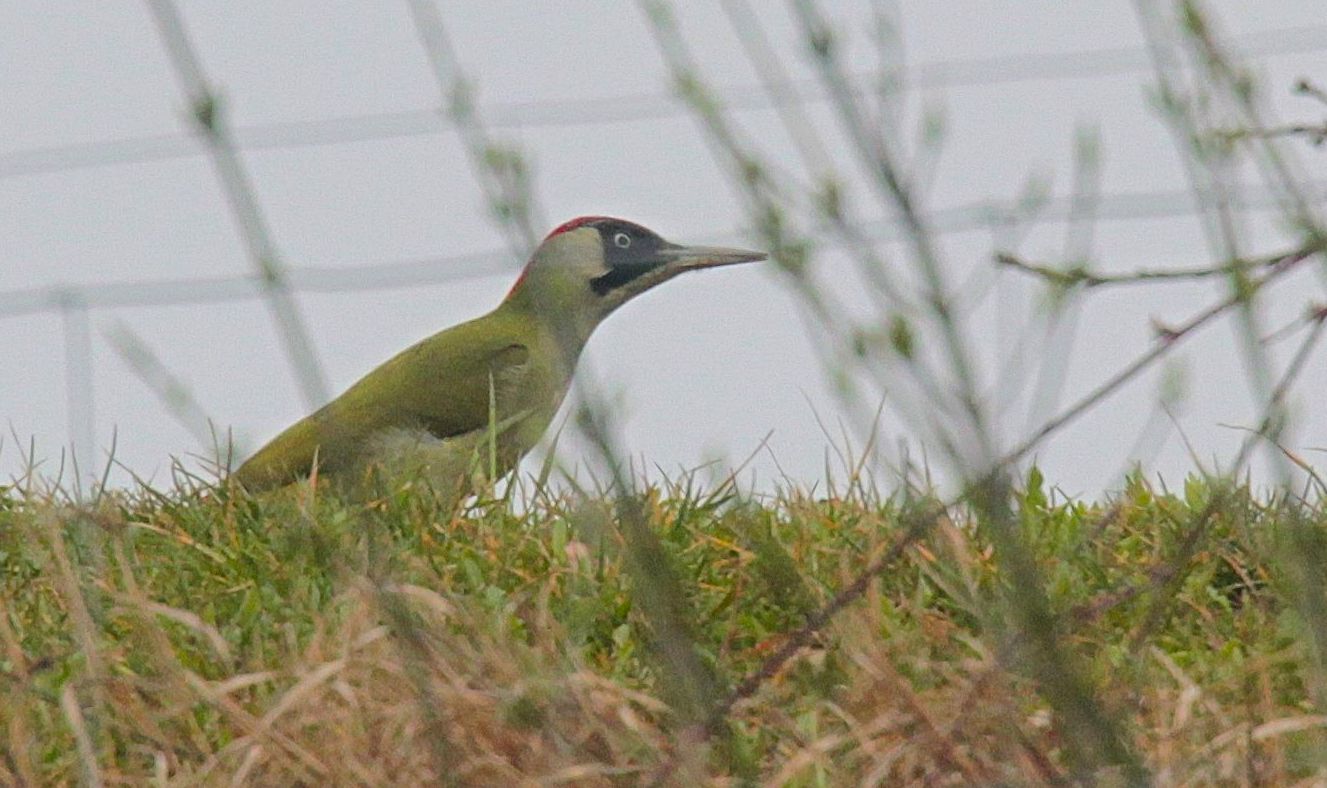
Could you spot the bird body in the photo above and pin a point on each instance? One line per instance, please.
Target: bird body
(473, 399)
(496, 371)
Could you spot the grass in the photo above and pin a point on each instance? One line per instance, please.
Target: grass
(209, 637)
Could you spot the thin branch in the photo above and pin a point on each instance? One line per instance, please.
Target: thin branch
(1277, 165)
(1274, 421)
(1314, 313)
(209, 120)
(1305, 87)
(1064, 316)
(1165, 341)
(1170, 573)
(830, 202)
(764, 194)
(169, 389)
(1220, 82)
(1081, 276)
(1316, 134)
(500, 168)
(878, 161)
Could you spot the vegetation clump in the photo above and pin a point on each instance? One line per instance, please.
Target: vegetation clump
(208, 636)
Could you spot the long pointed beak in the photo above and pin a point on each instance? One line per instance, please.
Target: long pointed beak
(690, 258)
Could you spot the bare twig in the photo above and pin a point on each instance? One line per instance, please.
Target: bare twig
(1169, 574)
(764, 195)
(501, 170)
(1314, 313)
(1208, 154)
(173, 393)
(879, 162)
(1162, 345)
(831, 200)
(1315, 133)
(1274, 419)
(1306, 87)
(1064, 315)
(1276, 163)
(1082, 276)
(209, 119)
(1188, 108)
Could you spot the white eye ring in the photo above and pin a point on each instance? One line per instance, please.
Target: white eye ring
(622, 240)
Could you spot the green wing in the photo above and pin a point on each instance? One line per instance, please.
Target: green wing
(441, 384)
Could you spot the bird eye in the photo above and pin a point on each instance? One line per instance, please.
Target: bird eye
(622, 240)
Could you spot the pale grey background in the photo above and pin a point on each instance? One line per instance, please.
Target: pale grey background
(706, 366)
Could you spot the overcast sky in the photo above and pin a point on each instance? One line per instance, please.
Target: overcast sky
(102, 189)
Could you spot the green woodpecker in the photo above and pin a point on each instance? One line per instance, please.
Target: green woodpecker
(476, 397)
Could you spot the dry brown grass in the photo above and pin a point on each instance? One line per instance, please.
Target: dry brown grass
(230, 641)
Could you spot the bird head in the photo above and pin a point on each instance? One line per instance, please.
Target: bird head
(588, 267)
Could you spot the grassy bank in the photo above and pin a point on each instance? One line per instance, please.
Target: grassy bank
(210, 637)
